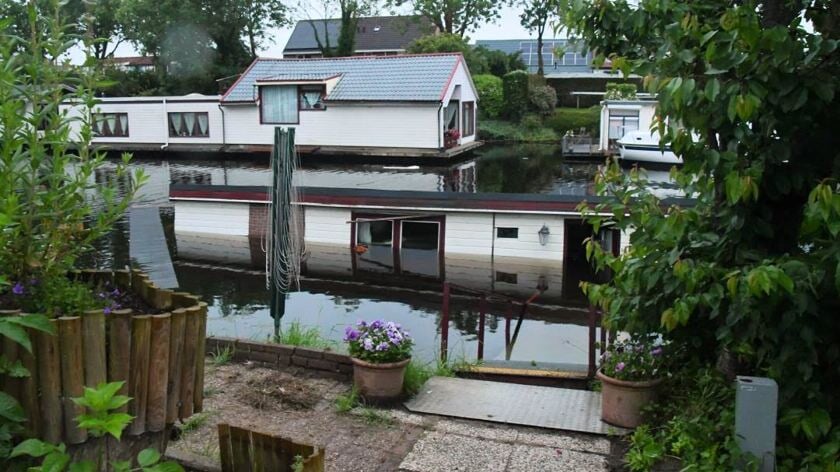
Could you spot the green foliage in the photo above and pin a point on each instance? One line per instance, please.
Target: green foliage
(543, 99)
(372, 416)
(635, 359)
(497, 130)
(617, 91)
(436, 43)
(573, 119)
(457, 17)
(493, 61)
(534, 17)
(297, 465)
(53, 296)
(694, 422)
(347, 401)
(515, 87)
(379, 342)
(222, 356)
(296, 334)
(98, 421)
(194, 422)
(490, 94)
(417, 373)
(748, 98)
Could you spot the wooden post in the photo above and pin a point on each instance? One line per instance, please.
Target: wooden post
(119, 350)
(444, 324)
(49, 382)
(158, 373)
(176, 349)
(93, 338)
(29, 388)
(200, 356)
(138, 384)
(192, 325)
(72, 375)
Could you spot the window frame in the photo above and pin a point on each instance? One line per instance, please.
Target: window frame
(300, 90)
(195, 124)
(514, 229)
(97, 133)
(297, 107)
(464, 116)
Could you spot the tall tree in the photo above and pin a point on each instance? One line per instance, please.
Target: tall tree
(348, 13)
(748, 96)
(455, 16)
(534, 17)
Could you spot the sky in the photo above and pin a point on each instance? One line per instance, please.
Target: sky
(507, 27)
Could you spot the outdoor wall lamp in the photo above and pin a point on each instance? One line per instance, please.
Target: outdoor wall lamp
(543, 234)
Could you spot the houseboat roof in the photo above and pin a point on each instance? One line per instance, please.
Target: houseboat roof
(406, 78)
(373, 34)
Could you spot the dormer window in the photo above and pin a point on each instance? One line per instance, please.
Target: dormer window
(311, 97)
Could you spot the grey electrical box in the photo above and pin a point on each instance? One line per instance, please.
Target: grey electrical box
(756, 403)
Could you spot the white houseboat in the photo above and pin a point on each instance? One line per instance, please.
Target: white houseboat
(626, 130)
(408, 105)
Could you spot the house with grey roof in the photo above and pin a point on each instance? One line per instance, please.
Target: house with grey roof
(421, 105)
(376, 35)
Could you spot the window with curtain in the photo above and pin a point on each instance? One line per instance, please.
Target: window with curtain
(623, 121)
(278, 104)
(311, 97)
(189, 124)
(110, 125)
(469, 118)
(450, 115)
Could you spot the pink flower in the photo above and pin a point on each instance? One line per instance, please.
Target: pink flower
(620, 366)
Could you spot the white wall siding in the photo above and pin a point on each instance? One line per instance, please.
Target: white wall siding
(469, 234)
(327, 225)
(219, 218)
(527, 245)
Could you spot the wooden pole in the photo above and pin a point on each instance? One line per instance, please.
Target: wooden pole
(158, 373)
(119, 350)
(93, 338)
(192, 325)
(49, 382)
(200, 357)
(176, 349)
(72, 375)
(138, 384)
(29, 389)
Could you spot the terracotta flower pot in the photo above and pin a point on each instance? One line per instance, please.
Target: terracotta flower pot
(622, 400)
(379, 383)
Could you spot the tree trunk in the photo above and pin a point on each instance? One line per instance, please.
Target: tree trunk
(540, 62)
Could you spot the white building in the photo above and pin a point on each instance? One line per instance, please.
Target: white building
(619, 117)
(409, 105)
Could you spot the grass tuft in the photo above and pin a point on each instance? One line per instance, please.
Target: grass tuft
(347, 401)
(222, 356)
(194, 422)
(298, 335)
(416, 374)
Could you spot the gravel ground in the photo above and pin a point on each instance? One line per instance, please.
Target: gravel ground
(300, 405)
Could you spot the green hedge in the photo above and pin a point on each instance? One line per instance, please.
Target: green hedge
(565, 119)
(491, 95)
(515, 86)
(530, 130)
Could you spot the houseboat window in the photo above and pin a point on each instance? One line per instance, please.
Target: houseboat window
(419, 235)
(508, 233)
(419, 248)
(451, 115)
(376, 233)
(506, 277)
(469, 118)
(189, 124)
(311, 97)
(279, 104)
(623, 121)
(110, 125)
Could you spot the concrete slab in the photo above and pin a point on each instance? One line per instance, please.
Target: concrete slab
(544, 459)
(526, 405)
(438, 451)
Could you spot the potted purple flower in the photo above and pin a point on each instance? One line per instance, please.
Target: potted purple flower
(380, 351)
(630, 372)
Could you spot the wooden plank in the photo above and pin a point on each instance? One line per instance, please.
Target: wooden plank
(200, 357)
(93, 340)
(225, 449)
(192, 325)
(72, 375)
(241, 450)
(138, 384)
(119, 350)
(49, 382)
(176, 346)
(158, 373)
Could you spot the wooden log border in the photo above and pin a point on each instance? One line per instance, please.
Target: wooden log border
(146, 351)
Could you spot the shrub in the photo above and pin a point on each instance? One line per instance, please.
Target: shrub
(378, 342)
(491, 95)
(515, 87)
(635, 359)
(531, 122)
(573, 119)
(448, 42)
(616, 91)
(497, 62)
(543, 99)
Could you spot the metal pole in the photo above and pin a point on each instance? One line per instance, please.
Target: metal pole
(444, 324)
(282, 155)
(482, 307)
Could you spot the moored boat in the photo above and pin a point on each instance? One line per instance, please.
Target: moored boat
(643, 146)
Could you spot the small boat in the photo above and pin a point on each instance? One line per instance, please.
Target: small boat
(643, 146)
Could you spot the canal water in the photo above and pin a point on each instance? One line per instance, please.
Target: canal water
(554, 330)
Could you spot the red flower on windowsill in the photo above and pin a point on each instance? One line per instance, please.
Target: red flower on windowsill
(450, 138)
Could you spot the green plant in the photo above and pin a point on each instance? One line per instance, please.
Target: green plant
(194, 422)
(373, 416)
(515, 91)
(490, 93)
(564, 120)
(616, 91)
(498, 130)
(634, 359)
(98, 422)
(347, 401)
(222, 356)
(297, 465)
(298, 335)
(378, 341)
(417, 373)
(532, 122)
(543, 99)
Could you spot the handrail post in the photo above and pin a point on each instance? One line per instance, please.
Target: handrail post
(444, 324)
(482, 305)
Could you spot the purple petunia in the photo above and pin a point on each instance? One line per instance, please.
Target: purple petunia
(18, 289)
(382, 347)
(107, 310)
(619, 367)
(656, 351)
(350, 334)
(368, 344)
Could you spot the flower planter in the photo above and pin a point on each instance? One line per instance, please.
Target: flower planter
(622, 400)
(379, 383)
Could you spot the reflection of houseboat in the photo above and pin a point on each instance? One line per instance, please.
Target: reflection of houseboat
(407, 105)
(516, 242)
